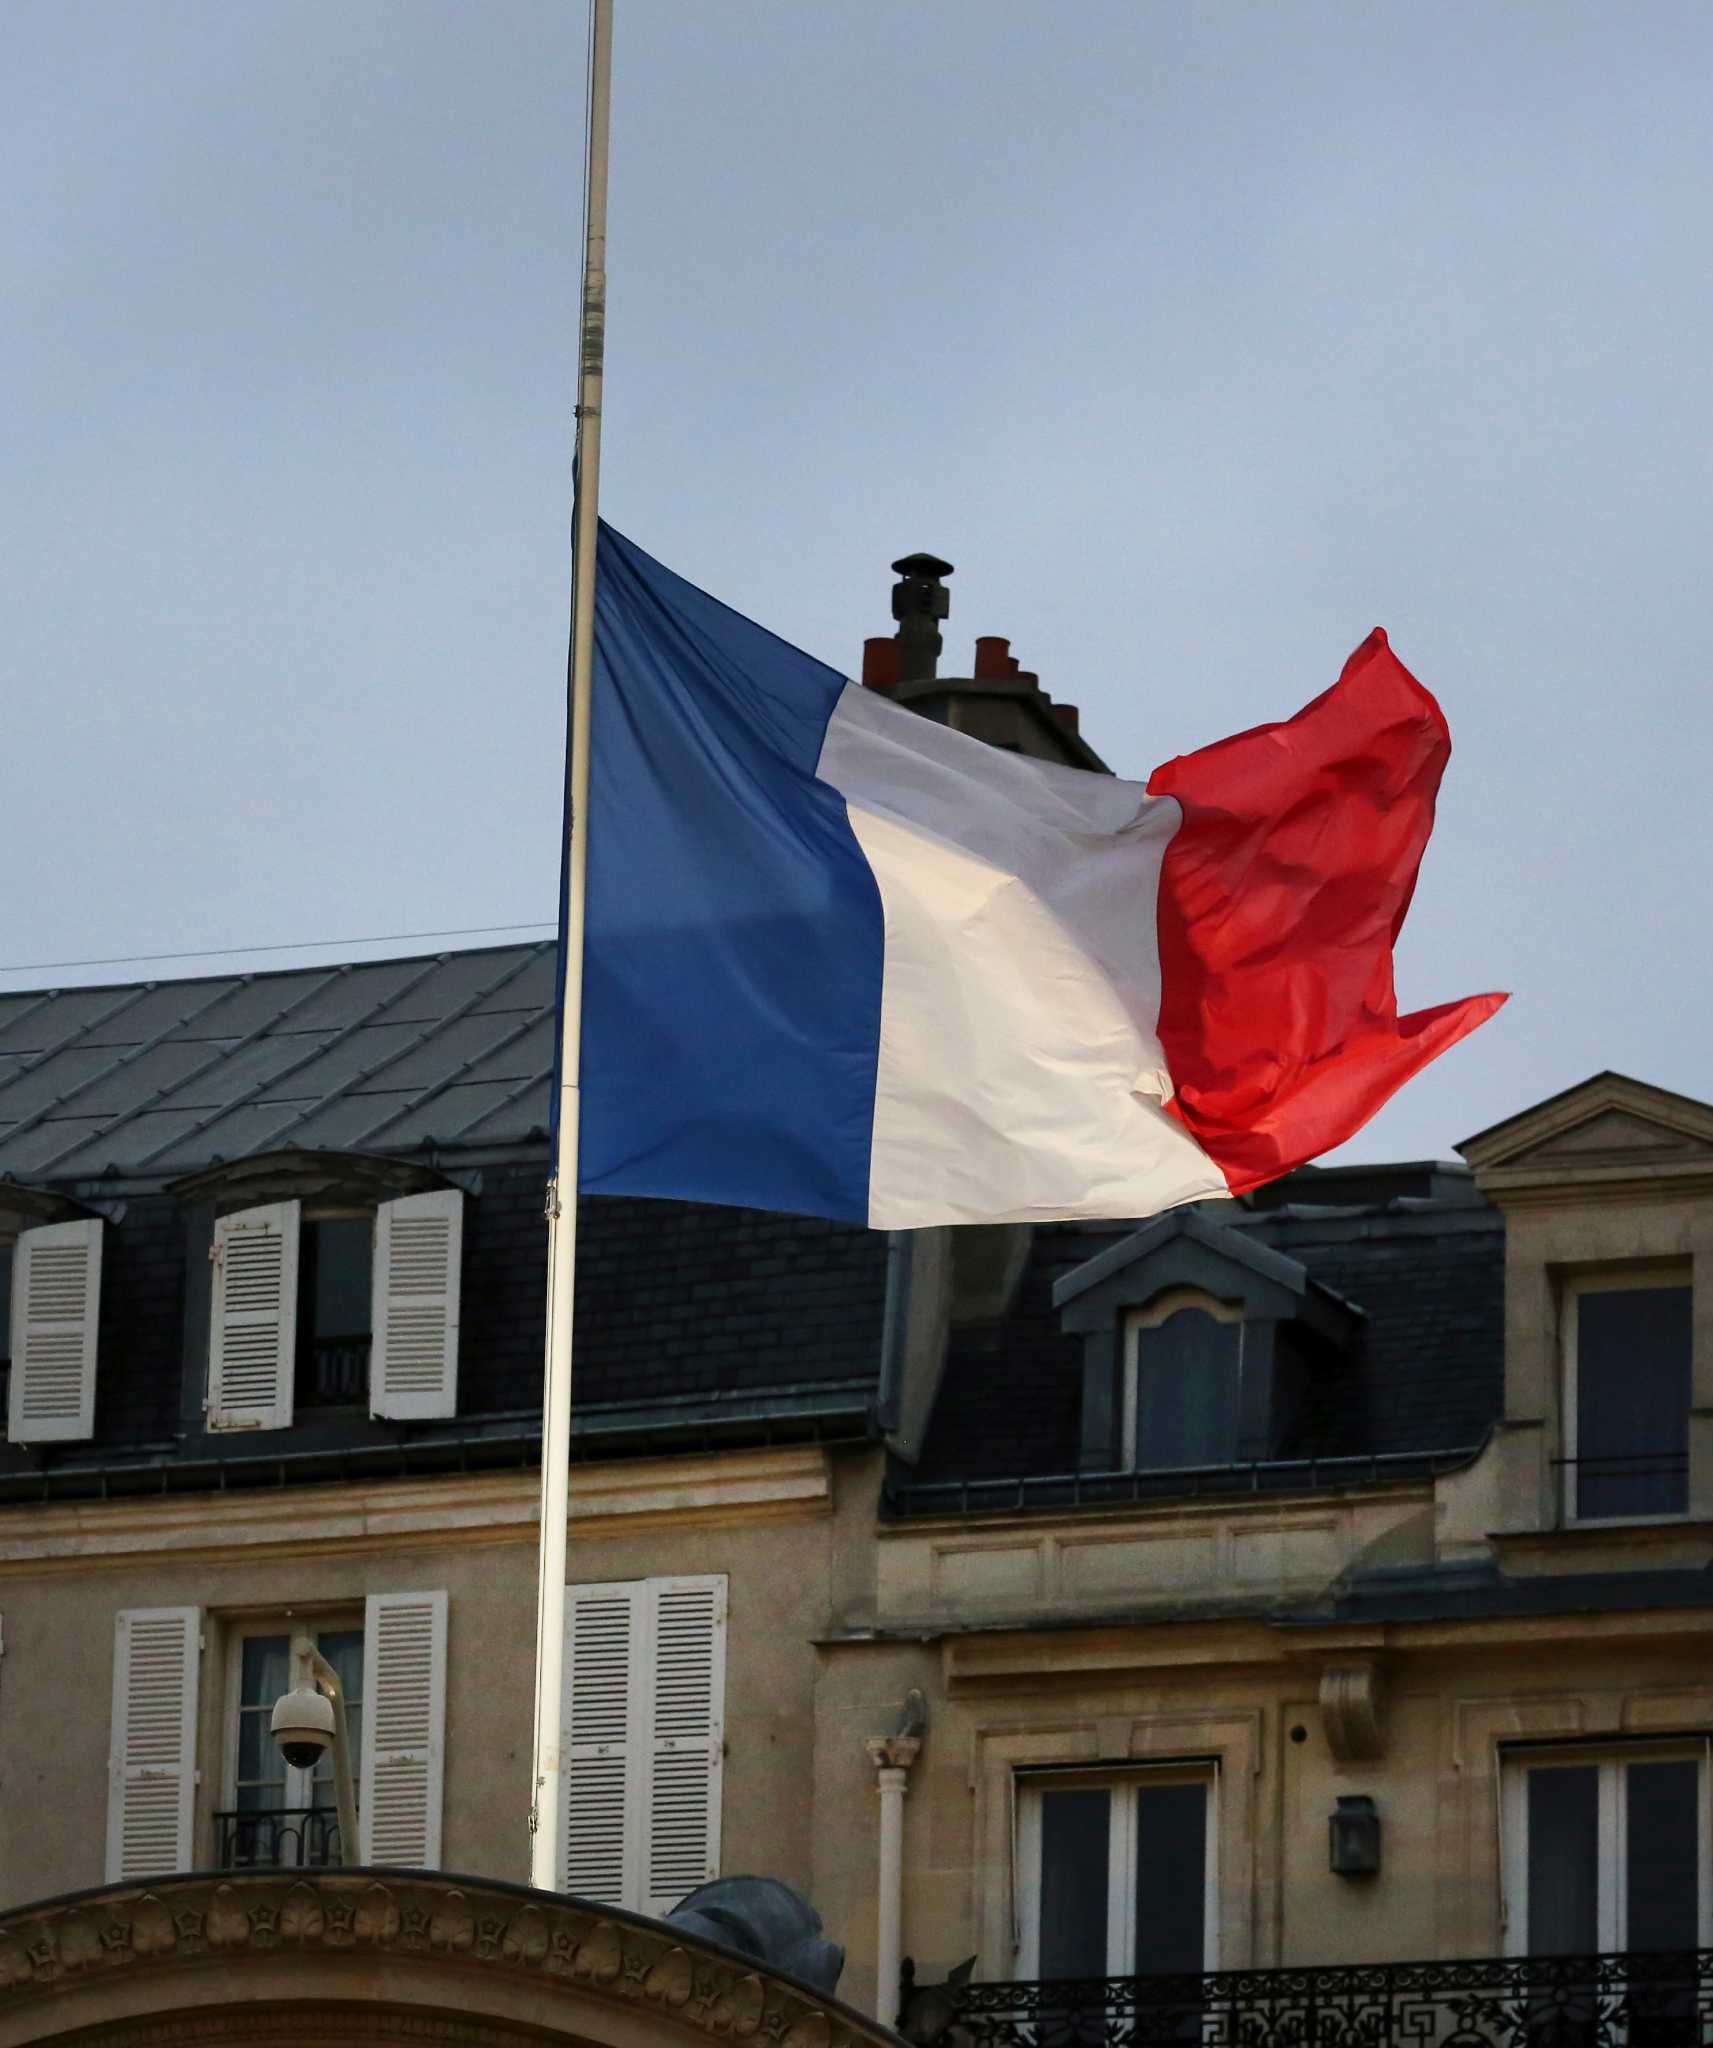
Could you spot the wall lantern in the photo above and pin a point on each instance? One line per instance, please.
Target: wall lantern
(1354, 1829)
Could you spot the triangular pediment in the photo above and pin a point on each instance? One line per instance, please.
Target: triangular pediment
(1609, 1128)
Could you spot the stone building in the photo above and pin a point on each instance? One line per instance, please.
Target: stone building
(1319, 1579)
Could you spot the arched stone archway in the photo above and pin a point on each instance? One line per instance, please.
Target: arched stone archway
(349, 1959)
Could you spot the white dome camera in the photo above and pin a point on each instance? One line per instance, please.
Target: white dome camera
(302, 1725)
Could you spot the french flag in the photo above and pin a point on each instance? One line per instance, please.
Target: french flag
(844, 961)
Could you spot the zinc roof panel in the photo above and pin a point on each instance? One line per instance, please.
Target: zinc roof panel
(64, 1017)
(24, 1152)
(533, 989)
(122, 1145)
(342, 1058)
(173, 1006)
(461, 978)
(263, 1061)
(531, 1052)
(346, 1121)
(435, 1058)
(29, 1089)
(447, 1116)
(120, 1090)
(262, 1001)
(235, 1134)
(347, 998)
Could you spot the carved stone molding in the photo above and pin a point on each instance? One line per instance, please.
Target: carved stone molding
(1352, 1709)
(571, 1958)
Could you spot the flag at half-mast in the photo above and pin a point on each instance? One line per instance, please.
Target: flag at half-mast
(845, 961)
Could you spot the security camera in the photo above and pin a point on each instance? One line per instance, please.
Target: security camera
(302, 1725)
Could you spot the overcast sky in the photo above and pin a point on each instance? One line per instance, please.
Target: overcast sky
(1202, 338)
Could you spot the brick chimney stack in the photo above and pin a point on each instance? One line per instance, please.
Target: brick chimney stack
(1001, 702)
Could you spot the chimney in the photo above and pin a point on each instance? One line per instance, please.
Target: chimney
(881, 667)
(920, 600)
(993, 661)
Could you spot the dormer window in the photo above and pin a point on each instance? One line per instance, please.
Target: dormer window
(1626, 1397)
(1183, 1382)
(1196, 1343)
(342, 1295)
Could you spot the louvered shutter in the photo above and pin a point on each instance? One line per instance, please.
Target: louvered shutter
(151, 1799)
(413, 1361)
(252, 1345)
(404, 1729)
(686, 1738)
(605, 1631)
(56, 1307)
(645, 1701)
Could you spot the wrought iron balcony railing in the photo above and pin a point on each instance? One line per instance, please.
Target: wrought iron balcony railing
(297, 1837)
(1603, 2001)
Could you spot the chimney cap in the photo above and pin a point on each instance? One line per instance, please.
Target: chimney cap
(921, 565)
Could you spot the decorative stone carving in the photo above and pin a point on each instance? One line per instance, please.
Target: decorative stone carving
(240, 1921)
(1352, 1709)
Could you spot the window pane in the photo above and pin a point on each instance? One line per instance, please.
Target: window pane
(1632, 1402)
(267, 1670)
(1186, 1391)
(1171, 1879)
(343, 1649)
(343, 1249)
(1564, 1861)
(265, 1673)
(335, 1260)
(1662, 1859)
(1076, 1830)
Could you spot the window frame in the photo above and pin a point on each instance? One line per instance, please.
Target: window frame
(1611, 1759)
(342, 1619)
(331, 1211)
(1027, 1788)
(1632, 1279)
(1154, 1316)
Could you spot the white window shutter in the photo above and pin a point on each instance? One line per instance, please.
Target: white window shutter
(252, 1338)
(413, 1360)
(151, 1797)
(643, 1739)
(56, 1309)
(603, 1776)
(404, 1729)
(687, 1738)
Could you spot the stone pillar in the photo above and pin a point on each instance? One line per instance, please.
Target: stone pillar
(892, 1757)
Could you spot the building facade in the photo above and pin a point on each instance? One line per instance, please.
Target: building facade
(1317, 1579)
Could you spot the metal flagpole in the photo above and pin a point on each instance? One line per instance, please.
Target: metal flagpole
(546, 1809)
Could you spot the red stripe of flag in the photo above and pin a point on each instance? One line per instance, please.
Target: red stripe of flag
(1281, 896)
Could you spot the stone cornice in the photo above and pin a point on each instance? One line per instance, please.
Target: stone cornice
(452, 1959)
(396, 1515)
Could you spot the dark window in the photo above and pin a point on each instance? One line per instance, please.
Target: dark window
(1187, 1376)
(1564, 1861)
(1123, 1889)
(1076, 1829)
(335, 1260)
(1171, 1892)
(1662, 1855)
(1615, 1858)
(1632, 1402)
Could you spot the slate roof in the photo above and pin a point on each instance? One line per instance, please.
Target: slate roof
(1424, 1381)
(692, 1320)
(158, 1079)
